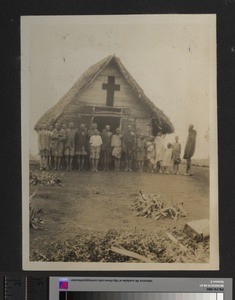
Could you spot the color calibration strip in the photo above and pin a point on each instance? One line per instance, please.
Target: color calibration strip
(138, 296)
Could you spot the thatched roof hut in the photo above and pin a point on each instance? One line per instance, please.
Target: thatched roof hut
(107, 93)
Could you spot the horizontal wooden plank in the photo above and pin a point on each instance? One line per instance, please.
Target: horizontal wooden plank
(132, 254)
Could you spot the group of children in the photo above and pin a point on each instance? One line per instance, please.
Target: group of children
(160, 159)
(63, 146)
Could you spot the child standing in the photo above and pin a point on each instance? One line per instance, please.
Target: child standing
(116, 144)
(140, 152)
(81, 146)
(176, 155)
(44, 146)
(159, 151)
(167, 157)
(150, 153)
(95, 146)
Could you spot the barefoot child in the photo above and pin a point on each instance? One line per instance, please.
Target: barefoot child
(176, 155)
(167, 157)
(116, 145)
(159, 151)
(150, 153)
(140, 152)
(44, 146)
(95, 146)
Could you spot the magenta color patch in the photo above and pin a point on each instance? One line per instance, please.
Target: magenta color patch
(64, 285)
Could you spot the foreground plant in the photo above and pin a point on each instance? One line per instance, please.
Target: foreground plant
(35, 215)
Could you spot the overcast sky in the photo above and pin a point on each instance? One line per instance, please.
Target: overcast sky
(171, 57)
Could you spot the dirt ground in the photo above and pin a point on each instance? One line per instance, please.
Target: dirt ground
(102, 201)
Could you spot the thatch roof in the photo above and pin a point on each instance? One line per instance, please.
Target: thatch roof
(87, 78)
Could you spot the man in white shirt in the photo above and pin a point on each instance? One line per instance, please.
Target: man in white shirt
(95, 146)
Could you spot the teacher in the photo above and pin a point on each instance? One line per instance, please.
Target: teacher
(190, 148)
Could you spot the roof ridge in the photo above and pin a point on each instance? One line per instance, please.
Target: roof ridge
(86, 79)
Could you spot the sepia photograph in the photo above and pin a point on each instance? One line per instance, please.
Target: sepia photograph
(119, 142)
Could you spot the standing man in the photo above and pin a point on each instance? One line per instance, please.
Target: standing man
(63, 162)
(81, 145)
(49, 161)
(61, 144)
(128, 147)
(44, 147)
(58, 137)
(70, 146)
(116, 144)
(95, 145)
(190, 148)
(106, 146)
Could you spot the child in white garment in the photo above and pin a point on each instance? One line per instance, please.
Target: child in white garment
(167, 158)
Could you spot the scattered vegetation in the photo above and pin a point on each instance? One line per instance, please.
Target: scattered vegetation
(153, 206)
(103, 247)
(44, 178)
(35, 215)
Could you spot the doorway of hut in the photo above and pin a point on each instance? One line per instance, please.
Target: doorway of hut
(101, 122)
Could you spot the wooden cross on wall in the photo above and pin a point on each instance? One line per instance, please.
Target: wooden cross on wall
(111, 87)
